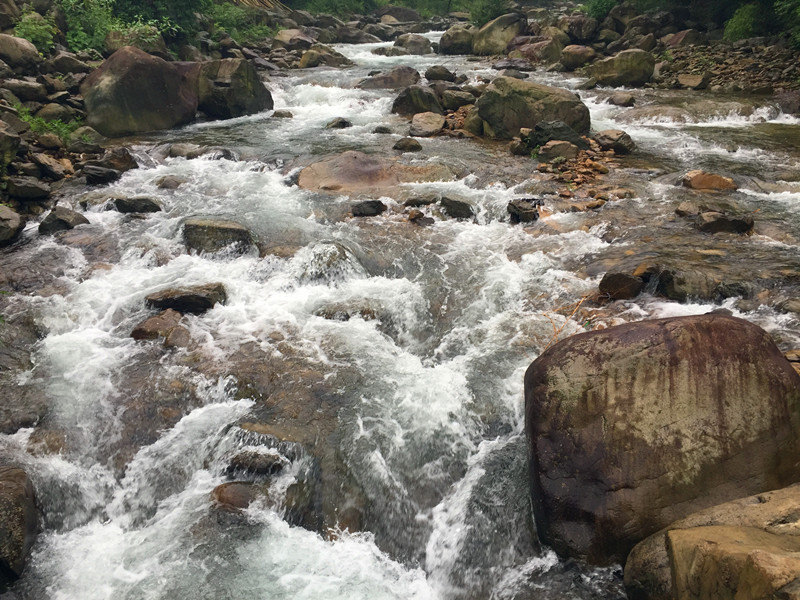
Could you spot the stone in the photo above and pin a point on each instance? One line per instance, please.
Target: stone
(546, 131)
(694, 82)
(212, 235)
(231, 88)
(426, 124)
(395, 79)
(193, 300)
(546, 51)
(458, 209)
(292, 39)
(61, 219)
(457, 40)
(339, 123)
(630, 68)
(616, 140)
(493, 38)
(9, 14)
(85, 139)
(401, 13)
(634, 427)
(687, 37)
(623, 99)
(621, 286)
(11, 225)
(407, 144)
(574, 57)
(20, 519)
(188, 151)
(234, 496)
(414, 43)
(148, 39)
(558, 149)
(439, 73)
(579, 28)
(320, 55)
(55, 112)
(251, 462)
(158, 326)
(510, 104)
(455, 99)
(170, 182)
(18, 53)
(27, 91)
(27, 188)
(9, 144)
(368, 208)
(137, 204)
(416, 99)
(715, 222)
(56, 169)
(115, 105)
(66, 62)
(96, 175)
(283, 114)
(391, 51)
(704, 181)
(524, 210)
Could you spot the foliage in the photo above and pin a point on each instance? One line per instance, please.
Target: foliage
(36, 29)
(88, 22)
(341, 8)
(745, 23)
(242, 24)
(789, 11)
(180, 13)
(599, 9)
(40, 125)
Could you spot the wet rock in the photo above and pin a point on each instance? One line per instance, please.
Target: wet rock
(398, 77)
(455, 99)
(321, 55)
(694, 82)
(137, 204)
(439, 73)
(616, 140)
(56, 169)
(510, 104)
(170, 182)
(20, 520)
(414, 43)
(407, 144)
(85, 139)
(256, 463)
(390, 51)
(416, 99)
(368, 208)
(687, 209)
(115, 105)
(524, 210)
(27, 188)
(648, 569)
(339, 123)
(183, 150)
(426, 124)
(493, 38)
(61, 219)
(703, 181)
(11, 225)
(292, 39)
(230, 88)
(574, 57)
(633, 427)
(158, 326)
(631, 68)
(212, 235)
(457, 40)
(546, 131)
(546, 51)
(458, 209)
(193, 300)
(621, 286)
(558, 149)
(622, 99)
(283, 114)
(234, 496)
(715, 222)
(96, 175)
(18, 53)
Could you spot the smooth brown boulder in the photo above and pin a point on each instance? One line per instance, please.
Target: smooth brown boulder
(234, 496)
(493, 38)
(395, 79)
(621, 286)
(213, 235)
(160, 325)
(19, 523)
(633, 427)
(426, 124)
(703, 181)
(457, 40)
(631, 68)
(231, 88)
(575, 56)
(18, 53)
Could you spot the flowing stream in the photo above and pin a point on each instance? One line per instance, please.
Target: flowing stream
(420, 370)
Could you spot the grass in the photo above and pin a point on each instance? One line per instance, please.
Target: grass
(39, 125)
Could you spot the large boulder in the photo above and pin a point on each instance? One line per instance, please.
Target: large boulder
(147, 39)
(633, 427)
(18, 53)
(9, 13)
(414, 43)
(757, 523)
(493, 38)
(320, 55)
(416, 99)
(547, 51)
(202, 234)
(19, 523)
(292, 39)
(509, 104)
(395, 79)
(426, 124)
(457, 40)
(579, 28)
(116, 106)
(11, 225)
(574, 56)
(230, 88)
(628, 68)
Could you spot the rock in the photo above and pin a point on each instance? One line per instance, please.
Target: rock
(9, 14)
(148, 39)
(579, 28)
(27, 188)
(573, 57)
(115, 105)
(493, 38)
(622, 99)
(631, 68)
(457, 40)
(368, 208)
(251, 462)
(188, 151)
(439, 73)
(458, 209)
(414, 43)
(292, 39)
(546, 131)
(407, 144)
(355, 172)
(426, 124)
(231, 88)
(416, 99)
(66, 62)
(621, 286)
(546, 51)
(687, 37)
(20, 520)
(18, 53)
(9, 144)
(55, 112)
(455, 99)
(158, 326)
(524, 210)
(398, 77)
(137, 204)
(26, 90)
(213, 235)
(351, 35)
(510, 104)
(382, 130)
(193, 300)
(715, 222)
(694, 82)
(633, 427)
(283, 114)
(52, 167)
(85, 139)
(558, 149)
(170, 182)
(703, 181)
(390, 51)
(401, 13)
(339, 123)
(648, 567)
(320, 55)
(234, 496)
(616, 140)
(11, 225)
(61, 219)
(100, 175)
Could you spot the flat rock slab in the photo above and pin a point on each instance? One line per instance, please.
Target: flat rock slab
(212, 235)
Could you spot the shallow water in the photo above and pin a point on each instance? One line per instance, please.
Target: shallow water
(418, 392)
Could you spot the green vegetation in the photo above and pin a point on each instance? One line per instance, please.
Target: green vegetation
(40, 125)
(88, 22)
(244, 25)
(36, 29)
(599, 9)
(745, 23)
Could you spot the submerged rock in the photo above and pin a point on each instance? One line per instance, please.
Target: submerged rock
(407, 144)
(212, 235)
(633, 427)
(621, 286)
(368, 208)
(716, 222)
(61, 218)
(701, 180)
(193, 300)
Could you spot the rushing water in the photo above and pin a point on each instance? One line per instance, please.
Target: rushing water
(425, 377)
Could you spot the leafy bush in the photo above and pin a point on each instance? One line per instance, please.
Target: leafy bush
(745, 23)
(789, 11)
(242, 24)
(599, 9)
(88, 22)
(180, 13)
(40, 125)
(341, 8)
(483, 11)
(36, 29)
